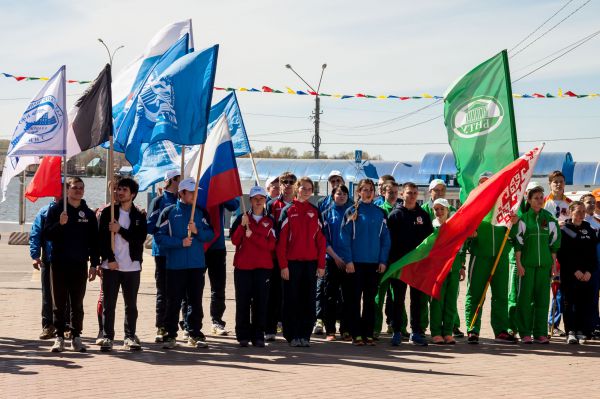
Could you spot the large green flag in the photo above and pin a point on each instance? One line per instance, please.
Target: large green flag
(479, 116)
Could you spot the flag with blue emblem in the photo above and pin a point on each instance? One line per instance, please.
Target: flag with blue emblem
(175, 106)
(43, 126)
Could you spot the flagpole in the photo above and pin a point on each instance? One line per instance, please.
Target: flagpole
(182, 173)
(196, 188)
(66, 121)
(111, 181)
(254, 169)
(64, 183)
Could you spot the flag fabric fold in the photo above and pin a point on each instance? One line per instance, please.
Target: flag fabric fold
(12, 167)
(427, 266)
(47, 180)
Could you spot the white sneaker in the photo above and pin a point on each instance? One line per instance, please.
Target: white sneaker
(59, 345)
(99, 338)
(106, 345)
(160, 335)
(571, 338)
(318, 329)
(133, 344)
(197, 343)
(77, 345)
(219, 329)
(581, 338)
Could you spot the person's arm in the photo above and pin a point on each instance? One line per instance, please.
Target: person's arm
(164, 236)
(205, 231)
(321, 247)
(153, 215)
(384, 244)
(281, 248)
(104, 237)
(35, 237)
(236, 232)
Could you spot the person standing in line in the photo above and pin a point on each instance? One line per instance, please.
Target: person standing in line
(121, 267)
(578, 262)
(591, 203)
(380, 199)
(537, 240)
(365, 246)
(253, 235)
(301, 256)
(185, 263)
(158, 204)
(74, 236)
(272, 188)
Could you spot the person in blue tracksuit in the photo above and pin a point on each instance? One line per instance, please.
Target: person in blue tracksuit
(335, 274)
(365, 249)
(185, 263)
(158, 204)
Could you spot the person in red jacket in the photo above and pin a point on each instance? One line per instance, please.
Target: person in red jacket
(253, 235)
(301, 255)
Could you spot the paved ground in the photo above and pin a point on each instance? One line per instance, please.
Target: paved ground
(327, 370)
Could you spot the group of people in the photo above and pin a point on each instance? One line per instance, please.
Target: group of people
(300, 268)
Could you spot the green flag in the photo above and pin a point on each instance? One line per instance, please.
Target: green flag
(479, 117)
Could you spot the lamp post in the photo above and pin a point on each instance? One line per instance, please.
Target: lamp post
(316, 141)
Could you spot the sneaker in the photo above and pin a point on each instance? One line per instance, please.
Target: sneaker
(160, 335)
(346, 337)
(473, 338)
(405, 334)
(330, 337)
(527, 340)
(390, 329)
(571, 338)
(259, 343)
(358, 341)
(295, 343)
(196, 342)
(185, 334)
(318, 329)
(376, 336)
(48, 332)
(456, 333)
(437, 340)
(557, 332)
(581, 338)
(68, 333)
(418, 339)
(370, 341)
(269, 337)
(99, 338)
(244, 343)
(305, 343)
(219, 329)
(504, 338)
(106, 345)
(169, 343)
(279, 328)
(449, 340)
(59, 345)
(396, 339)
(542, 340)
(596, 334)
(77, 345)
(133, 344)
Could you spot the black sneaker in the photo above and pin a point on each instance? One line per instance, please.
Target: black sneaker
(456, 333)
(473, 338)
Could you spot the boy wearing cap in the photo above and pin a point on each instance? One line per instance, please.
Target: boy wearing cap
(335, 178)
(158, 204)
(253, 235)
(185, 262)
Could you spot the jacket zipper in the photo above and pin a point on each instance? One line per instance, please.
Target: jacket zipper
(537, 224)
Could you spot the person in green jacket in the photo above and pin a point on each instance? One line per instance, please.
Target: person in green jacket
(444, 310)
(484, 249)
(537, 241)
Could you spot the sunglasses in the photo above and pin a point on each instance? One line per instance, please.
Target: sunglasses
(79, 188)
(288, 182)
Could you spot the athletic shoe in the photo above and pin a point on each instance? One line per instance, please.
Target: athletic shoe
(133, 344)
(270, 337)
(48, 332)
(527, 340)
(390, 329)
(318, 329)
(99, 338)
(581, 338)
(405, 334)
(219, 329)
(295, 343)
(358, 341)
(346, 337)
(305, 343)
(68, 333)
(106, 345)
(396, 339)
(160, 335)
(201, 336)
(504, 338)
(259, 343)
(449, 340)
(418, 339)
(456, 333)
(437, 340)
(330, 337)
(596, 334)
(59, 345)
(77, 345)
(557, 332)
(197, 342)
(169, 343)
(473, 338)
(542, 340)
(571, 338)
(376, 336)
(370, 341)
(244, 343)
(185, 334)
(279, 328)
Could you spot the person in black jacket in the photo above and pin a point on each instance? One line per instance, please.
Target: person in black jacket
(74, 236)
(577, 258)
(122, 262)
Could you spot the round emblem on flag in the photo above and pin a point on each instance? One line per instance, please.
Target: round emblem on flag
(42, 120)
(81, 214)
(477, 117)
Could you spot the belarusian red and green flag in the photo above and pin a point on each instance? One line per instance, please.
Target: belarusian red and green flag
(479, 117)
(427, 266)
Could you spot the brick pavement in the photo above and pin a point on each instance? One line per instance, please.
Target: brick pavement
(225, 370)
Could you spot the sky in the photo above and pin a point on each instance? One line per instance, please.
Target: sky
(403, 48)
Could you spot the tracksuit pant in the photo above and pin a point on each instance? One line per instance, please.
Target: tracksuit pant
(320, 298)
(443, 311)
(532, 302)
(333, 297)
(68, 286)
(160, 277)
(184, 283)
(384, 295)
(480, 268)
(578, 303)
(217, 272)
(399, 318)
(274, 302)
(47, 316)
(299, 300)
(251, 295)
(362, 286)
(129, 282)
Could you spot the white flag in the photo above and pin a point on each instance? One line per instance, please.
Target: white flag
(12, 167)
(42, 128)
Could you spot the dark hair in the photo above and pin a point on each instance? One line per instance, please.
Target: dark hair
(575, 204)
(584, 196)
(359, 186)
(534, 191)
(554, 175)
(385, 178)
(74, 179)
(342, 188)
(409, 185)
(133, 186)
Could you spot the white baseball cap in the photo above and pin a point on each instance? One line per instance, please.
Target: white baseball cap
(257, 190)
(271, 180)
(435, 182)
(443, 202)
(335, 173)
(532, 184)
(188, 184)
(171, 174)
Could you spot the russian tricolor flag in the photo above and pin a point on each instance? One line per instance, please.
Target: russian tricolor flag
(219, 181)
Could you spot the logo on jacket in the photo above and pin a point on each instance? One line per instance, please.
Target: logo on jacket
(265, 224)
(81, 214)
(419, 220)
(311, 214)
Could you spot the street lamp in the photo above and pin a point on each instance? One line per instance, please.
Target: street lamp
(111, 56)
(316, 141)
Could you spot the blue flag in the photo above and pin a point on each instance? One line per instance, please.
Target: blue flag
(229, 106)
(176, 106)
(123, 122)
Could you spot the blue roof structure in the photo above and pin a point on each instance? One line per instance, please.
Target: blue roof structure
(586, 173)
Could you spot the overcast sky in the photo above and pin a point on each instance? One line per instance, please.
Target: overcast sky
(394, 47)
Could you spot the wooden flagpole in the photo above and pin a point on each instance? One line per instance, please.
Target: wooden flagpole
(110, 168)
(182, 173)
(196, 188)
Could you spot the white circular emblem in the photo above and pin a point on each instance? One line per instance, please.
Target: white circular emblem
(477, 117)
(81, 214)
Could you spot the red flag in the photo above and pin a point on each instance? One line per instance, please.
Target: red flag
(47, 180)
